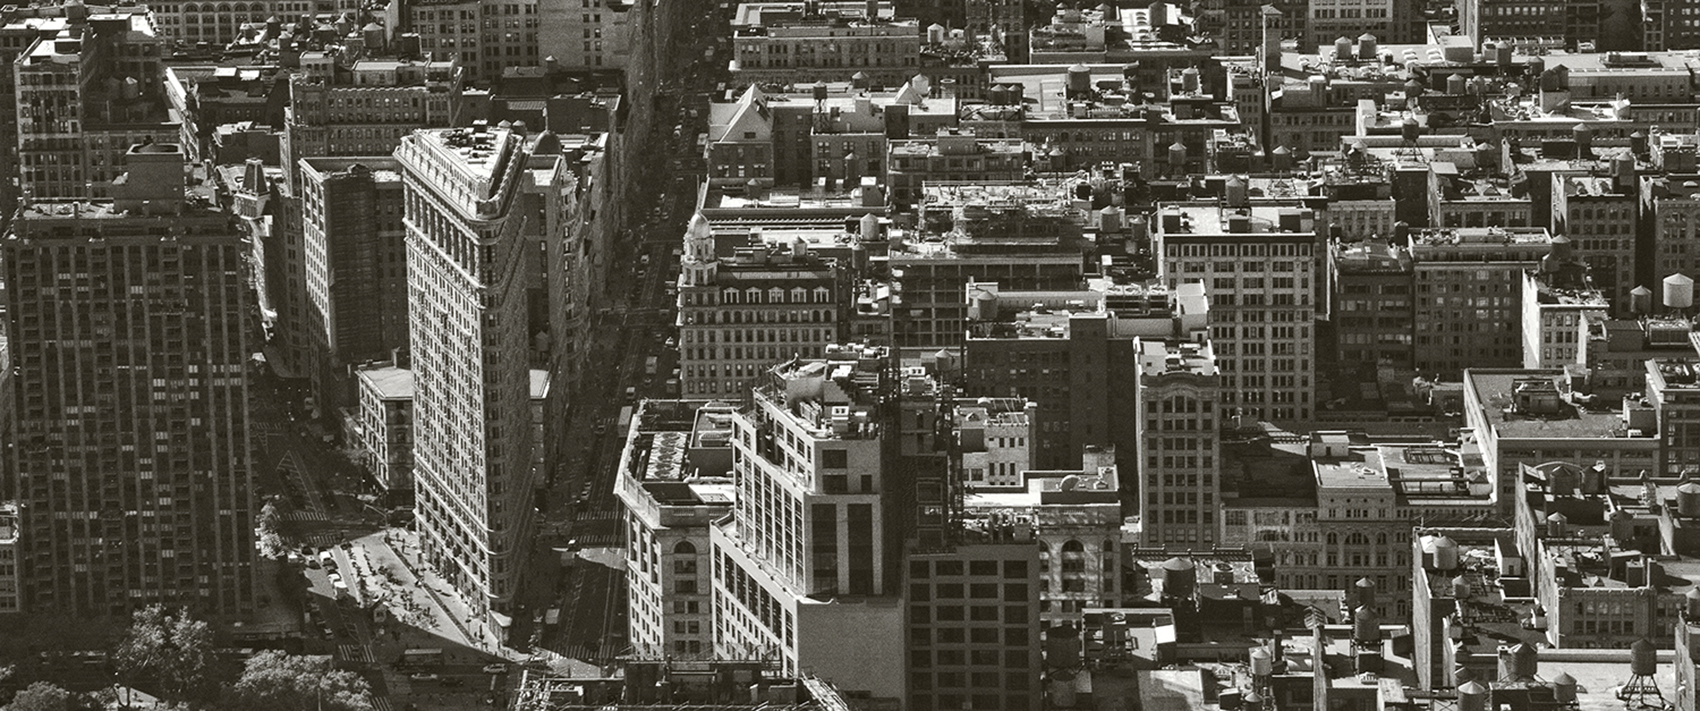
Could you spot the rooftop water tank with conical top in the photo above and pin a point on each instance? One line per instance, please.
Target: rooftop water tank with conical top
(1641, 301)
(1679, 291)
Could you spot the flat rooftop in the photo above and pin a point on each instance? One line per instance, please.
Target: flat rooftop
(1172, 356)
(476, 152)
(1171, 690)
(1495, 389)
(1214, 218)
(1364, 472)
(383, 169)
(1483, 236)
(390, 382)
(1622, 62)
(1591, 186)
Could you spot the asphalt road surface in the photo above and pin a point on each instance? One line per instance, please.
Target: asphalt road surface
(634, 319)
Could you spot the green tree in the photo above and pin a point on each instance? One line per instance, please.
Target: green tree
(42, 696)
(277, 681)
(169, 648)
(268, 522)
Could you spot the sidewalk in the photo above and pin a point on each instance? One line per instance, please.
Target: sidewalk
(403, 546)
(380, 555)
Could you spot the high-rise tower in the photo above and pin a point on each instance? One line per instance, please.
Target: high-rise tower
(478, 203)
(130, 335)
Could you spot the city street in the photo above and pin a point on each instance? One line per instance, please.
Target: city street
(634, 319)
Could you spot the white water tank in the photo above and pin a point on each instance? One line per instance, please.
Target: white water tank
(1679, 291)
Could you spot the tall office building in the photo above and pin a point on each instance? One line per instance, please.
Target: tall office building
(356, 264)
(987, 658)
(130, 338)
(479, 201)
(589, 35)
(1180, 453)
(1598, 216)
(485, 36)
(1261, 264)
(20, 32)
(674, 482)
(344, 103)
(88, 92)
(801, 569)
(1468, 293)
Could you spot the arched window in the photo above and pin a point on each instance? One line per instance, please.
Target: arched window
(685, 560)
(1073, 556)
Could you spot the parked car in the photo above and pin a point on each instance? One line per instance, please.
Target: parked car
(423, 676)
(495, 668)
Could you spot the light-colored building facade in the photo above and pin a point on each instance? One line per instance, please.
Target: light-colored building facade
(998, 440)
(674, 482)
(343, 105)
(823, 41)
(1261, 265)
(383, 429)
(219, 23)
(761, 304)
(479, 202)
(800, 573)
(1074, 516)
(1558, 302)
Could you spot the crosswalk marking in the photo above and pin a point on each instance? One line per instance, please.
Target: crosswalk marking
(322, 539)
(355, 653)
